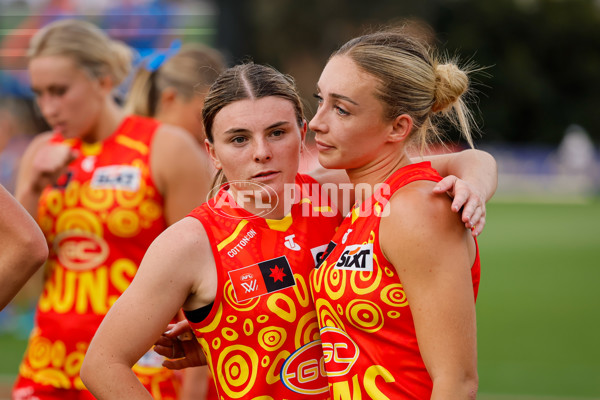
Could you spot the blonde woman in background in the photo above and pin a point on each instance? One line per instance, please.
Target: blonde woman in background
(102, 185)
(171, 87)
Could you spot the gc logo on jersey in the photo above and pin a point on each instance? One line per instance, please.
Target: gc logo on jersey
(80, 250)
(304, 370)
(340, 352)
(356, 257)
(122, 177)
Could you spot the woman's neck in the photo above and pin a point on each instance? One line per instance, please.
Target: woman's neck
(375, 172)
(270, 205)
(107, 122)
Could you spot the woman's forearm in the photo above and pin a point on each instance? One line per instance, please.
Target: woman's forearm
(112, 381)
(24, 247)
(477, 167)
(455, 388)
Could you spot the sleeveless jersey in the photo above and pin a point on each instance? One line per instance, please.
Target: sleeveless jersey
(261, 336)
(366, 325)
(99, 219)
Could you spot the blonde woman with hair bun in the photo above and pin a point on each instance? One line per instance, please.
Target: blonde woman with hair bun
(101, 185)
(395, 298)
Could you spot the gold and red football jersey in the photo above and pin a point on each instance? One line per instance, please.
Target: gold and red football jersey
(99, 219)
(261, 336)
(366, 325)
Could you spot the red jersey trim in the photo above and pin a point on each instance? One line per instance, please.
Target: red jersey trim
(220, 276)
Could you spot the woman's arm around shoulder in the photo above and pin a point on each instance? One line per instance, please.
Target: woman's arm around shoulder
(181, 170)
(471, 179)
(432, 253)
(24, 247)
(178, 269)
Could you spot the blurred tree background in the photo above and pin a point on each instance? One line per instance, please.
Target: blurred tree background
(542, 56)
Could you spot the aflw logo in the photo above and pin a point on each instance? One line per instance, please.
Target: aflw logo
(250, 286)
(262, 278)
(357, 257)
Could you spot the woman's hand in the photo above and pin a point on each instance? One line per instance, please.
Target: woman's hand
(49, 163)
(180, 346)
(466, 197)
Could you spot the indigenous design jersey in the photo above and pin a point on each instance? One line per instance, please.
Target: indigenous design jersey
(366, 325)
(99, 220)
(261, 337)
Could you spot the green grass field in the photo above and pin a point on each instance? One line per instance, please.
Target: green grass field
(538, 307)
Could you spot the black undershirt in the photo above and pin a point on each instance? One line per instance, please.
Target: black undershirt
(199, 314)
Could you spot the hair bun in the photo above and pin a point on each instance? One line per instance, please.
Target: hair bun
(451, 83)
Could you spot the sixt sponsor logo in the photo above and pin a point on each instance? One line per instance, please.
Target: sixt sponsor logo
(304, 370)
(357, 257)
(122, 177)
(79, 250)
(339, 351)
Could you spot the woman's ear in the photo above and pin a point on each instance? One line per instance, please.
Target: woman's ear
(106, 84)
(210, 149)
(401, 128)
(303, 130)
(167, 97)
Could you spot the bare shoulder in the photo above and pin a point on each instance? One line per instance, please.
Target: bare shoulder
(418, 220)
(187, 247)
(170, 140)
(416, 202)
(167, 131)
(183, 239)
(173, 139)
(179, 165)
